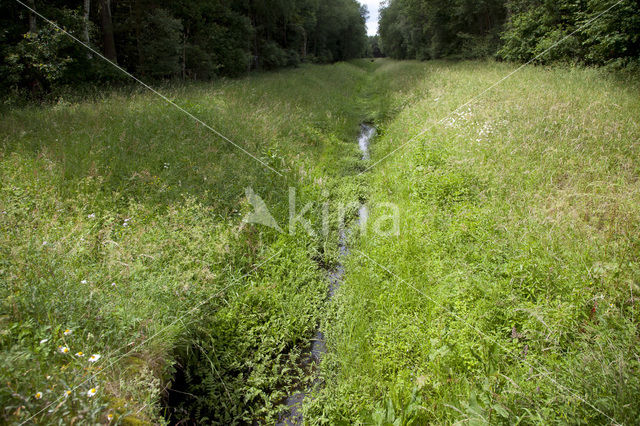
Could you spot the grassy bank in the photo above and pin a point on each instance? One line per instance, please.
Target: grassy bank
(121, 223)
(510, 293)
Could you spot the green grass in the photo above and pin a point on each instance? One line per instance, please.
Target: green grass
(510, 292)
(126, 189)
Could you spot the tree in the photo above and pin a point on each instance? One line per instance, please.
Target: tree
(188, 38)
(573, 31)
(161, 44)
(425, 29)
(33, 25)
(109, 45)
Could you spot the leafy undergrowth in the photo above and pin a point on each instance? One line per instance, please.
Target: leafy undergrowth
(126, 268)
(510, 293)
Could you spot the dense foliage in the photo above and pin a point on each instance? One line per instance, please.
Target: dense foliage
(427, 29)
(590, 31)
(188, 39)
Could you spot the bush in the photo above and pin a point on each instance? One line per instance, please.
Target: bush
(199, 62)
(293, 59)
(273, 56)
(160, 44)
(37, 61)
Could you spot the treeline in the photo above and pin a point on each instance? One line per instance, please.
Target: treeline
(197, 39)
(594, 32)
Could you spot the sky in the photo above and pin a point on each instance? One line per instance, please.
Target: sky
(372, 22)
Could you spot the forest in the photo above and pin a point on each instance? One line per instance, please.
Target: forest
(172, 39)
(201, 40)
(591, 32)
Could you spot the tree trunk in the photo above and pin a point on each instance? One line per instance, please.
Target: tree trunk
(108, 41)
(33, 26)
(304, 43)
(184, 53)
(85, 19)
(137, 14)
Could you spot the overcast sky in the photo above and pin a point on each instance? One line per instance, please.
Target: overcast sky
(372, 22)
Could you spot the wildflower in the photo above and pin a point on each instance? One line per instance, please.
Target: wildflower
(91, 216)
(80, 354)
(67, 393)
(83, 282)
(92, 392)
(113, 284)
(44, 243)
(109, 416)
(63, 349)
(38, 395)
(43, 341)
(67, 332)
(94, 357)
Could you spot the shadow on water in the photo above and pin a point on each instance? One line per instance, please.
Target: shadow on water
(311, 358)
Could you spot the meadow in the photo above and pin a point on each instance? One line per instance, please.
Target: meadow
(133, 292)
(122, 236)
(510, 293)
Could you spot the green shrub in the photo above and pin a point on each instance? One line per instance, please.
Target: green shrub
(38, 61)
(272, 56)
(160, 44)
(591, 32)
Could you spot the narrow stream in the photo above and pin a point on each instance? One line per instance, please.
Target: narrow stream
(312, 357)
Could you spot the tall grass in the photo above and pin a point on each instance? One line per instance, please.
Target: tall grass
(509, 295)
(511, 292)
(121, 222)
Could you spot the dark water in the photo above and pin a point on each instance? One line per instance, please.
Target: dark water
(293, 416)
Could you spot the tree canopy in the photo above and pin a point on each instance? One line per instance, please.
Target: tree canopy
(585, 31)
(179, 38)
